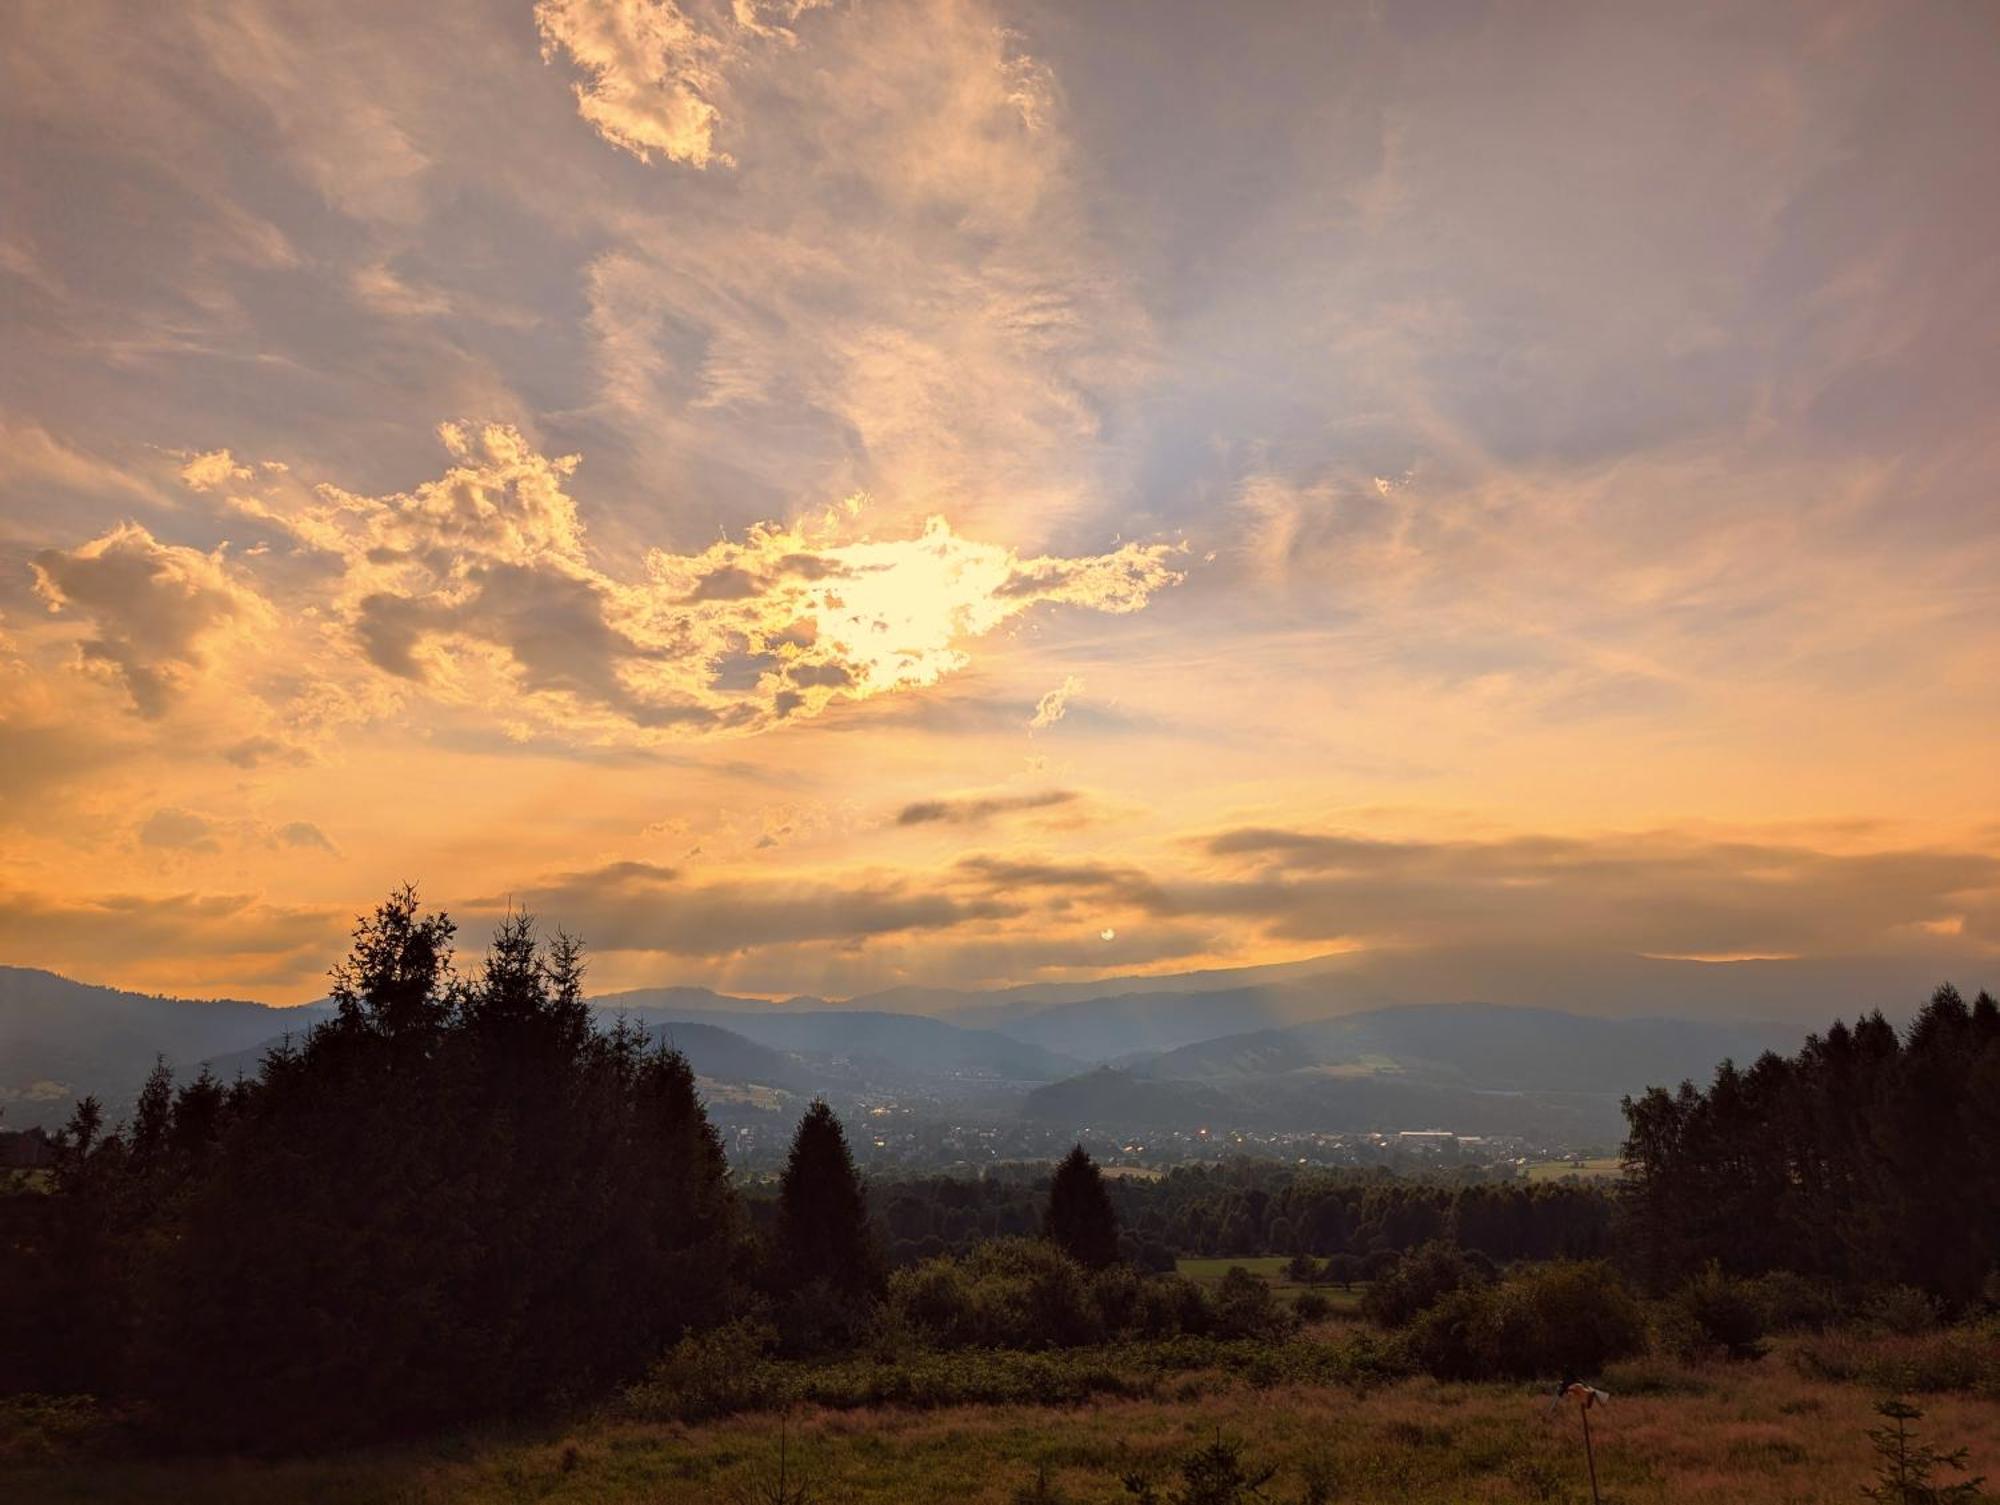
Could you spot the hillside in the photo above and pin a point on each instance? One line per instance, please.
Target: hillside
(1493, 1046)
(1280, 1048)
(61, 1039)
(1472, 1068)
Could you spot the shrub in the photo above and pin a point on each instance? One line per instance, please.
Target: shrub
(1114, 1292)
(1902, 1310)
(970, 1377)
(1311, 1306)
(711, 1374)
(1420, 1280)
(1949, 1359)
(1007, 1293)
(1377, 1263)
(1541, 1322)
(933, 1301)
(1906, 1473)
(38, 1429)
(1171, 1305)
(1245, 1307)
(1212, 1475)
(1724, 1314)
(1304, 1269)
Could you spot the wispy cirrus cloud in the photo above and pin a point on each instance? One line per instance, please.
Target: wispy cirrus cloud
(1532, 478)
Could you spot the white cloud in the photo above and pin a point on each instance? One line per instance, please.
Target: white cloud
(1053, 706)
(152, 608)
(651, 74)
(216, 468)
(480, 591)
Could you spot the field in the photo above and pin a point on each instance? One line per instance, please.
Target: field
(1606, 1169)
(1271, 1267)
(1747, 1435)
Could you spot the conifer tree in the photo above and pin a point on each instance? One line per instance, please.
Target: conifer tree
(1080, 1219)
(822, 1234)
(1907, 1472)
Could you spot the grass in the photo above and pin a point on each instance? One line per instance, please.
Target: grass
(1271, 1267)
(1747, 1435)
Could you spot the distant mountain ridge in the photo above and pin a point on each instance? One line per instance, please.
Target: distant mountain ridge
(1321, 1039)
(58, 1033)
(1473, 1068)
(1504, 1047)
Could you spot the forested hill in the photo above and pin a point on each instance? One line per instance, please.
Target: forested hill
(61, 1039)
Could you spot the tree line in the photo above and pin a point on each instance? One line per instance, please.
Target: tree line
(462, 1198)
(1246, 1207)
(459, 1198)
(1870, 1158)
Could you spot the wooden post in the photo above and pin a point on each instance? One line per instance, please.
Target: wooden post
(1590, 1454)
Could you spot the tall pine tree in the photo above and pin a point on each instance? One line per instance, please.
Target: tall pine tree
(823, 1233)
(1080, 1219)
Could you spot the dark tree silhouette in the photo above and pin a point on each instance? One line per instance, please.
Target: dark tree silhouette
(456, 1199)
(1865, 1159)
(1080, 1219)
(823, 1237)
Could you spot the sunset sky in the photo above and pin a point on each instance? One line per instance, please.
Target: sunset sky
(816, 497)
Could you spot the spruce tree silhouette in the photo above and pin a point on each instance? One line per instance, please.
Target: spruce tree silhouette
(1080, 1219)
(823, 1233)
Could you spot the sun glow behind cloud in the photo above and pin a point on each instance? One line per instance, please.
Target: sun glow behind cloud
(480, 589)
(1431, 492)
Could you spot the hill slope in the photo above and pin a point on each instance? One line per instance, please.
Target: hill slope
(1471, 1068)
(61, 1039)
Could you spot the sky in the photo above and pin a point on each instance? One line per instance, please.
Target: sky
(817, 497)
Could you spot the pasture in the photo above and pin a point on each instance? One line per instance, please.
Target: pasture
(1271, 1268)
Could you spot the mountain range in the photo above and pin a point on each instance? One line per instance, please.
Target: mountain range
(1327, 1045)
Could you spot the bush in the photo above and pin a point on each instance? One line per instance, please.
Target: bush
(1171, 1305)
(1245, 1307)
(1541, 1322)
(1215, 1474)
(970, 1377)
(1311, 1306)
(1965, 1359)
(1304, 1270)
(1419, 1281)
(1006, 1293)
(1902, 1310)
(711, 1374)
(39, 1429)
(1723, 1315)
(1114, 1292)
(1377, 1263)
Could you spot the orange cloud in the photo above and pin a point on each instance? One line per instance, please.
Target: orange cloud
(479, 590)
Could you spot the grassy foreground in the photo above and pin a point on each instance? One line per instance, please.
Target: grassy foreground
(1746, 1434)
